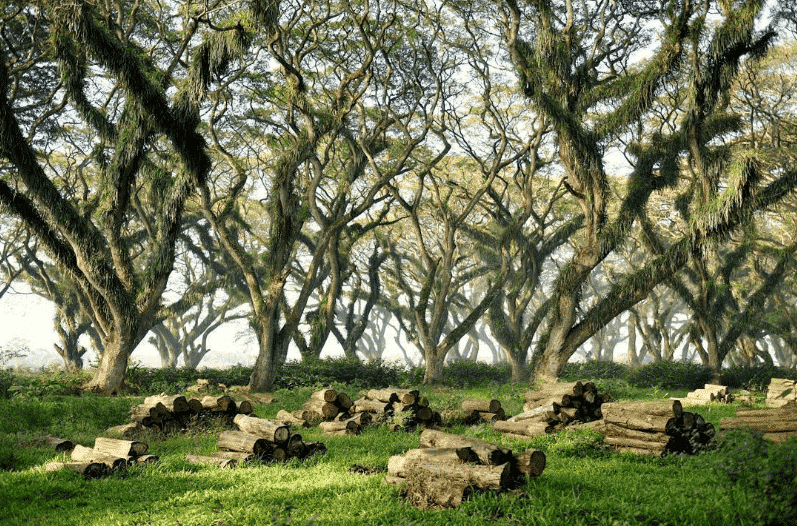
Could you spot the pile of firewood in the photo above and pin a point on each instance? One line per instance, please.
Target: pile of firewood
(777, 424)
(477, 411)
(554, 406)
(258, 438)
(654, 428)
(781, 391)
(710, 393)
(106, 456)
(340, 415)
(174, 413)
(447, 468)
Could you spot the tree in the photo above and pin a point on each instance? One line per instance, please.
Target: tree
(576, 70)
(85, 228)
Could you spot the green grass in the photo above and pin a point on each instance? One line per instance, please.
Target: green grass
(583, 484)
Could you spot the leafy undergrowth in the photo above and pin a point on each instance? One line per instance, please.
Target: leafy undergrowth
(583, 483)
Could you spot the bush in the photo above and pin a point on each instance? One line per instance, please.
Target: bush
(6, 381)
(594, 369)
(473, 374)
(768, 470)
(754, 378)
(670, 375)
(361, 375)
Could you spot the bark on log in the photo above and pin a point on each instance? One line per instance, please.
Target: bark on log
(220, 462)
(219, 404)
(89, 470)
(651, 416)
(246, 443)
(245, 407)
(120, 448)
(295, 446)
(128, 430)
(488, 453)
(433, 492)
(287, 418)
(271, 431)
(173, 403)
(526, 428)
(147, 459)
(59, 444)
(483, 406)
(325, 395)
(386, 396)
(372, 406)
(487, 477)
(343, 401)
(538, 414)
(443, 456)
(338, 427)
(531, 462)
(240, 456)
(327, 410)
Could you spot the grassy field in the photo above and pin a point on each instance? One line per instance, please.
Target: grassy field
(583, 484)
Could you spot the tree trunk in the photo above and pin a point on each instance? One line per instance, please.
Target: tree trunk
(110, 374)
(433, 369)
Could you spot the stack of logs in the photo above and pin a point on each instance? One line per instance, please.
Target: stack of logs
(710, 393)
(654, 428)
(554, 406)
(258, 438)
(340, 415)
(781, 391)
(106, 456)
(477, 411)
(448, 467)
(777, 424)
(174, 413)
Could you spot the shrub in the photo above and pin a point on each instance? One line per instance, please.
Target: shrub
(374, 373)
(670, 375)
(768, 470)
(6, 381)
(473, 374)
(756, 377)
(594, 369)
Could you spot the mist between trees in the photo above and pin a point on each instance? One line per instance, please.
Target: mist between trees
(326, 170)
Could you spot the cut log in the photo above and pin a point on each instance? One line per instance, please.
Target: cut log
(386, 396)
(488, 453)
(89, 470)
(780, 391)
(443, 456)
(271, 431)
(239, 456)
(128, 430)
(432, 492)
(348, 427)
(527, 428)
(483, 406)
(408, 396)
(120, 448)
(219, 404)
(87, 454)
(295, 446)
(531, 462)
(327, 410)
(372, 406)
(481, 476)
(245, 407)
(173, 403)
(363, 419)
(286, 418)
(147, 459)
(343, 401)
(195, 406)
(651, 416)
(313, 448)
(58, 444)
(538, 413)
(220, 462)
(246, 443)
(325, 395)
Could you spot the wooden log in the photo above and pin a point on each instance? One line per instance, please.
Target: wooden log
(219, 404)
(488, 453)
(58, 444)
(239, 456)
(614, 430)
(482, 476)
(343, 401)
(149, 415)
(555, 392)
(483, 406)
(640, 451)
(128, 430)
(372, 406)
(537, 413)
(173, 403)
(327, 410)
(387, 396)
(120, 448)
(424, 414)
(779, 438)
(289, 419)
(347, 427)
(89, 470)
(245, 407)
(305, 414)
(147, 459)
(392, 480)
(279, 454)
(443, 456)
(767, 425)
(622, 442)
(531, 462)
(87, 454)
(246, 443)
(223, 463)
(363, 419)
(271, 431)
(408, 396)
(491, 417)
(325, 395)
(295, 446)
(651, 416)
(195, 406)
(313, 448)
(434, 492)
(526, 428)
